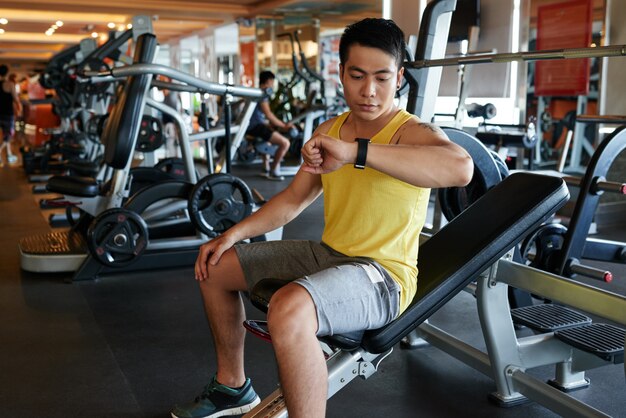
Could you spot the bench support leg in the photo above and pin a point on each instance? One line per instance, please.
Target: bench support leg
(566, 380)
(343, 367)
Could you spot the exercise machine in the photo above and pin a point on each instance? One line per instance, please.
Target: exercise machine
(559, 249)
(122, 232)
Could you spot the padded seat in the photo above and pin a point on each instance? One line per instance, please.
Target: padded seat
(72, 148)
(85, 168)
(73, 186)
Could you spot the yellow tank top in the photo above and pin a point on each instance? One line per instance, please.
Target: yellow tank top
(371, 214)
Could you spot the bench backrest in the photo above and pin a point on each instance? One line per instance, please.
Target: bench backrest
(469, 244)
(122, 127)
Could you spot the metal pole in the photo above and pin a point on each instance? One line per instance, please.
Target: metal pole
(227, 103)
(199, 84)
(572, 53)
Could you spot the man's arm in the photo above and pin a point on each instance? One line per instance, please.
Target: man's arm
(271, 117)
(419, 154)
(17, 104)
(423, 155)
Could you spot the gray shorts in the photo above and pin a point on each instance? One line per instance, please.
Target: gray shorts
(349, 293)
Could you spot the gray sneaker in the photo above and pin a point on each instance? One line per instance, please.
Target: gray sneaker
(217, 400)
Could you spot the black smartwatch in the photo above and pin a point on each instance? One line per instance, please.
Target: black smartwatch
(361, 154)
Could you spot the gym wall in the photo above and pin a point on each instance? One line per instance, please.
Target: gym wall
(487, 80)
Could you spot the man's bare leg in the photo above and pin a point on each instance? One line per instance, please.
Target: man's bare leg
(225, 312)
(302, 369)
(283, 146)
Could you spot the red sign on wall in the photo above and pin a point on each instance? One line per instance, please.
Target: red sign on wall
(563, 25)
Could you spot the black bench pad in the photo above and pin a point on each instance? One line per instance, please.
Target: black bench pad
(122, 126)
(73, 186)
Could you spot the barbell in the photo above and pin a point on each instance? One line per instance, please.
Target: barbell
(551, 54)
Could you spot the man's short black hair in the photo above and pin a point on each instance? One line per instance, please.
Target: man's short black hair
(371, 32)
(264, 76)
(3, 70)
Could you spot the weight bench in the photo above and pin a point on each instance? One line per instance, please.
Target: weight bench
(452, 258)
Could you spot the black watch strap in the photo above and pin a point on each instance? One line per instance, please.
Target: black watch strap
(361, 154)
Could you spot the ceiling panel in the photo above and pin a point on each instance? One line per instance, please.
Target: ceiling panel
(24, 43)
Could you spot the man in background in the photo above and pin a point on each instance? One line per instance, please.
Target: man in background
(10, 106)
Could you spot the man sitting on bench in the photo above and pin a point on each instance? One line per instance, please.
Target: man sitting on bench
(375, 165)
(264, 124)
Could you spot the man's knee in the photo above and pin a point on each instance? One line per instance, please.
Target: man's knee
(227, 274)
(291, 311)
(278, 139)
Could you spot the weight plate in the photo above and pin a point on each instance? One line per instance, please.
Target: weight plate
(150, 136)
(502, 167)
(175, 167)
(96, 89)
(219, 201)
(539, 248)
(117, 237)
(95, 126)
(246, 152)
(487, 173)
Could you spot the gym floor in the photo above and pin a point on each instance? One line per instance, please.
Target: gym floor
(133, 345)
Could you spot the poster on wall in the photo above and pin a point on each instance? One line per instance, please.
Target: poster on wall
(559, 26)
(247, 63)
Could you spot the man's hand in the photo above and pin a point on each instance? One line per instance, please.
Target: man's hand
(324, 154)
(210, 253)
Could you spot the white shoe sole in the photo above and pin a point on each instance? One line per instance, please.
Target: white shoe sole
(232, 411)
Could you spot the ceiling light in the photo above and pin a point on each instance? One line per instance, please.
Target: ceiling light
(1, 31)
(129, 26)
(94, 34)
(55, 27)
(49, 32)
(59, 23)
(3, 21)
(111, 25)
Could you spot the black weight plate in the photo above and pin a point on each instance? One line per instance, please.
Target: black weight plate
(246, 152)
(502, 167)
(219, 201)
(487, 173)
(94, 127)
(117, 237)
(146, 176)
(542, 245)
(95, 64)
(150, 136)
(175, 167)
